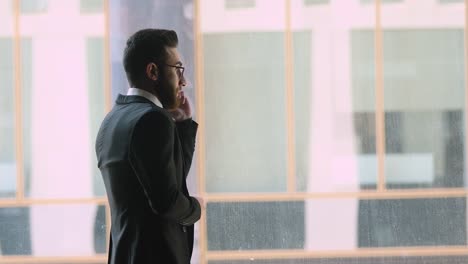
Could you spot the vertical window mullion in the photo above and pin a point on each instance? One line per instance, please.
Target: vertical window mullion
(290, 165)
(200, 113)
(379, 98)
(465, 45)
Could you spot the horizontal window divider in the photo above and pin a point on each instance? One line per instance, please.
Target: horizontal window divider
(358, 253)
(365, 195)
(267, 197)
(97, 259)
(51, 201)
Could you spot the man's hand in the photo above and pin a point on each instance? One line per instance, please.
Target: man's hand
(201, 201)
(184, 111)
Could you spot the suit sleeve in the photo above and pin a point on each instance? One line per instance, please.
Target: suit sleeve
(151, 153)
(187, 131)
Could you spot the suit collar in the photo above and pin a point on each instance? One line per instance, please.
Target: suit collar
(143, 93)
(128, 99)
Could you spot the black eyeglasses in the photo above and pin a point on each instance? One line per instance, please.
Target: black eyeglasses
(180, 69)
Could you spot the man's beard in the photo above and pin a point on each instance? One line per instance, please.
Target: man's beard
(168, 96)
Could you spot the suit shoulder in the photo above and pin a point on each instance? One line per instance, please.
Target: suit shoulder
(154, 118)
(156, 113)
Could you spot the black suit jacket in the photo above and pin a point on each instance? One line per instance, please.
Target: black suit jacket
(144, 158)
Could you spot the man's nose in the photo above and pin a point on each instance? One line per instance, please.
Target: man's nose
(182, 80)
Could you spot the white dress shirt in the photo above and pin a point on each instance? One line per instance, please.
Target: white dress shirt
(145, 94)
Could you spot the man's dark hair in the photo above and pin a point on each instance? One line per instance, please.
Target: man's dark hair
(145, 46)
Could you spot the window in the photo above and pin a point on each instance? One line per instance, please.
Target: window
(424, 133)
(304, 151)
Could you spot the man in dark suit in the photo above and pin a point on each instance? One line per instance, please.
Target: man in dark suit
(144, 149)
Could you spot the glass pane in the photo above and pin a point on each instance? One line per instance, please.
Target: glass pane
(315, 2)
(53, 230)
(95, 73)
(302, 48)
(7, 106)
(239, 4)
(33, 6)
(92, 6)
(334, 97)
(261, 225)
(317, 225)
(424, 86)
(451, 1)
(62, 103)
(244, 99)
(413, 222)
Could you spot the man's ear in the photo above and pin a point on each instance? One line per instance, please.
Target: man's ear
(152, 71)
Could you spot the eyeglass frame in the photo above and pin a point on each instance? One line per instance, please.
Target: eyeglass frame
(181, 69)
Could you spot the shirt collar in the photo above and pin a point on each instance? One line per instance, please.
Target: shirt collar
(145, 94)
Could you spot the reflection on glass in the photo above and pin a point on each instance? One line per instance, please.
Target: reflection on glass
(334, 97)
(336, 224)
(363, 82)
(352, 260)
(53, 230)
(424, 103)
